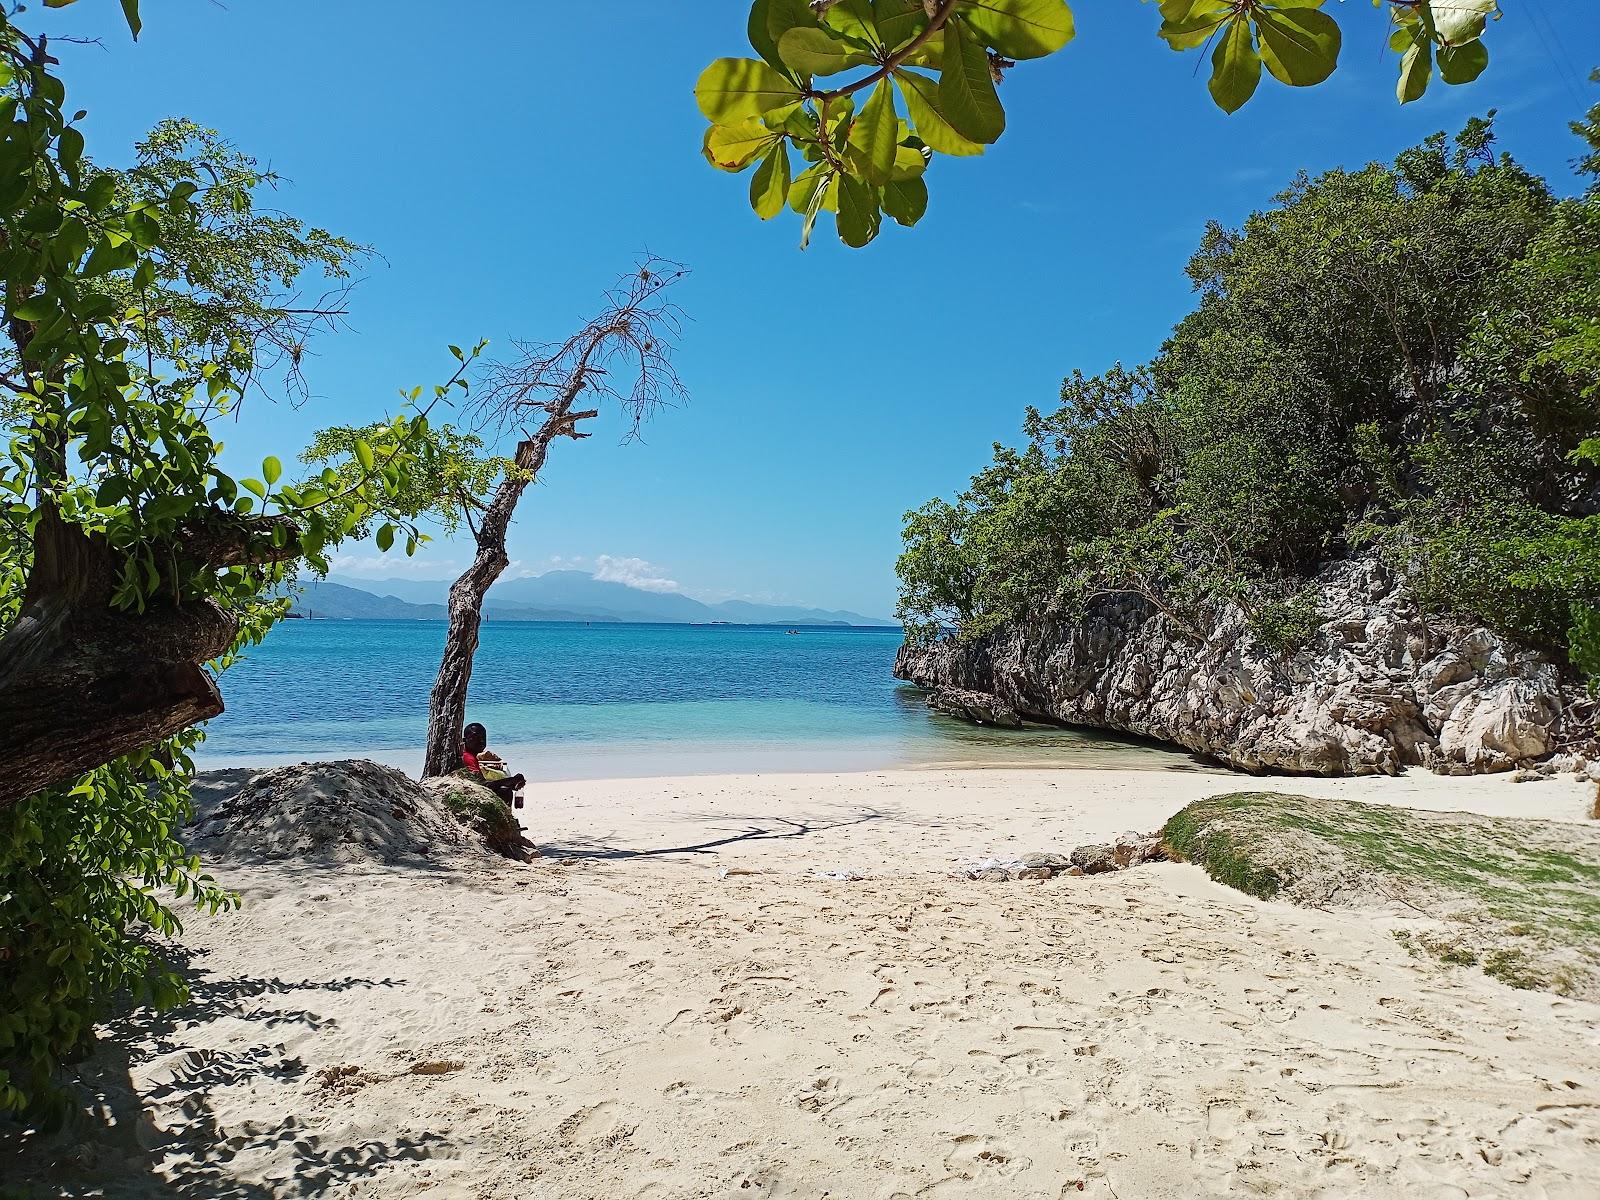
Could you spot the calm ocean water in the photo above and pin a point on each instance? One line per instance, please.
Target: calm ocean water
(568, 701)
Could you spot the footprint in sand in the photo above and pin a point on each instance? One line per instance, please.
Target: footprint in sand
(594, 1124)
(976, 1154)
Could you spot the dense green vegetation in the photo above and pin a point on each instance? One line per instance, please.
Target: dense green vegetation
(1519, 898)
(1403, 359)
(140, 304)
(941, 62)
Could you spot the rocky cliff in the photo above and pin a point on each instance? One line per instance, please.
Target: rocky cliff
(1379, 688)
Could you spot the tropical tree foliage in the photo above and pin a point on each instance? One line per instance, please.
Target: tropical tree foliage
(139, 304)
(866, 92)
(1398, 359)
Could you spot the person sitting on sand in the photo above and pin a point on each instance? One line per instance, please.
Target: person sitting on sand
(486, 765)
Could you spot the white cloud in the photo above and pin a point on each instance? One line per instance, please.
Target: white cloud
(634, 572)
(394, 566)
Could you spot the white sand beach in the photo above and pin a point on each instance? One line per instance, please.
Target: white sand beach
(671, 1004)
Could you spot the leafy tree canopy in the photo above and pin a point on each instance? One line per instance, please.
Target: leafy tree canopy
(866, 92)
(138, 305)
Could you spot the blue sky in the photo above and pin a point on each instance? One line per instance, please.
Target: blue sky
(509, 159)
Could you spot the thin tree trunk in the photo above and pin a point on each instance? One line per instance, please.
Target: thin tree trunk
(447, 707)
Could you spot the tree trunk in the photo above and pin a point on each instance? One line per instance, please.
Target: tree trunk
(447, 707)
(82, 683)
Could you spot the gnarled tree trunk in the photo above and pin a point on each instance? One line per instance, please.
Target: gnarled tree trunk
(82, 682)
(447, 707)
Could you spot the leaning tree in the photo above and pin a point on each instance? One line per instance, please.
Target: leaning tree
(622, 356)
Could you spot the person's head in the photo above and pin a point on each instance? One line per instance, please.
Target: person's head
(474, 737)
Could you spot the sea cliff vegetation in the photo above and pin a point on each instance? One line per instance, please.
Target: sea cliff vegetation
(1401, 360)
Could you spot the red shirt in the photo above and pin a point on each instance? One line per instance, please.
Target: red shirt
(471, 759)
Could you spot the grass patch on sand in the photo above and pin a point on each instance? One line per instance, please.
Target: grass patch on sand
(1518, 898)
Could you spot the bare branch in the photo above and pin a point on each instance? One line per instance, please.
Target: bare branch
(624, 354)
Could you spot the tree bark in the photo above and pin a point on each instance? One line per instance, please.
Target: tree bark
(83, 682)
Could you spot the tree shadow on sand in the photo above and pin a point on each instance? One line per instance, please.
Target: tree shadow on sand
(167, 1141)
(756, 829)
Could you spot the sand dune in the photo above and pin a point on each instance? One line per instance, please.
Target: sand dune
(676, 1008)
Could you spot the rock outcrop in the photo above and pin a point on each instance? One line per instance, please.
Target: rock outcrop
(1379, 688)
(1129, 850)
(978, 707)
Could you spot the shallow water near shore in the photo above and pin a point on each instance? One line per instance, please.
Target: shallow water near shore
(572, 701)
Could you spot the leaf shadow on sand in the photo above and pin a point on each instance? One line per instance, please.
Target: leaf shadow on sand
(124, 1143)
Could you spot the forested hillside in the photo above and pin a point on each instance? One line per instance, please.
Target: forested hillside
(1400, 362)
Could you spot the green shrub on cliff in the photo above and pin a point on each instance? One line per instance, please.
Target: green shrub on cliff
(1402, 359)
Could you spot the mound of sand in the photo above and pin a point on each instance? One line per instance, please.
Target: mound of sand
(337, 812)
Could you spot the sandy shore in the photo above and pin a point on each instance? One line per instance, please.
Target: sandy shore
(673, 1006)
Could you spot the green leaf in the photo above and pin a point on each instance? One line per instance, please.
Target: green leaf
(385, 537)
(1463, 64)
(1300, 46)
(803, 191)
(1190, 23)
(363, 454)
(859, 218)
(927, 116)
(819, 52)
(817, 190)
(906, 200)
(130, 13)
(35, 308)
(784, 15)
(100, 192)
(735, 147)
(731, 89)
(1416, 65)
(1457, 22)
(1235, 67)
(1020, 28)
(910, 162)
(876, 133)
(108, 256)
(254, 485)
(271, 469)
(854, 19)
(769, 186)
(69, 148)
(758, 28)
(966, 89)
(145, 228)
(899, 21)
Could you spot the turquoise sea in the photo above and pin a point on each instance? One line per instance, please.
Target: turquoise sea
(565, 701)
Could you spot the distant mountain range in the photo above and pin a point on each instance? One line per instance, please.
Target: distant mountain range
(553, 596)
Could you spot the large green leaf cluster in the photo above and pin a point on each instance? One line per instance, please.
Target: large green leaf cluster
(1397, 358)
(866, 92)
(139, 305)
